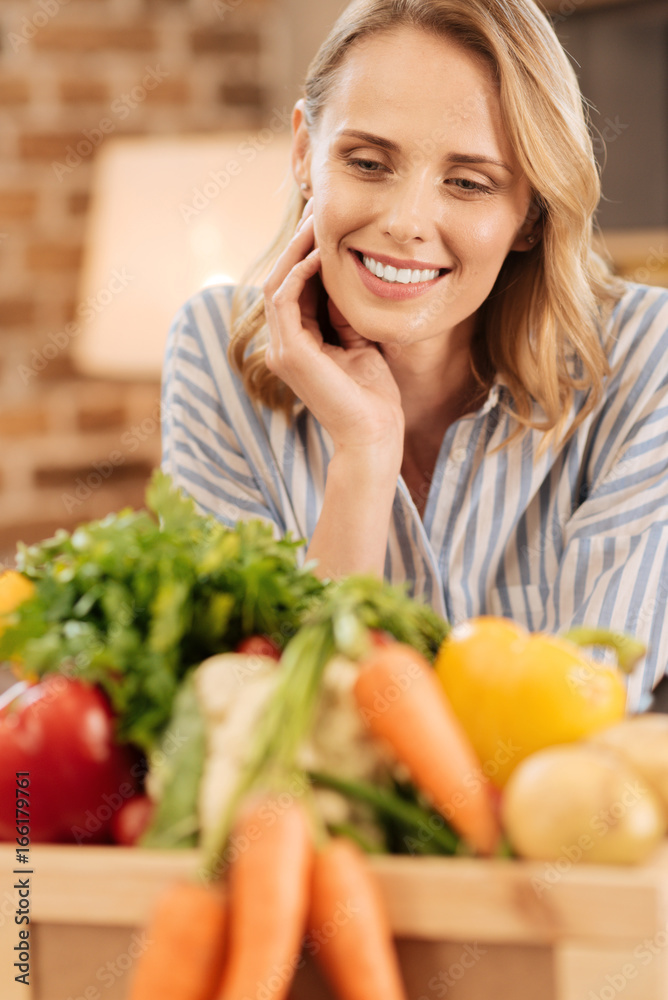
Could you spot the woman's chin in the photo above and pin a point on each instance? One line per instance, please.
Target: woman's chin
(382, 329)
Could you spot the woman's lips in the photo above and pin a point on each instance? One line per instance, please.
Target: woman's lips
(392, 290)
(396, 262)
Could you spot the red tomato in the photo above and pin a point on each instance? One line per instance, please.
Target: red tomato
(130, 821)
(259, 645)
(381, 638)
(60, 735)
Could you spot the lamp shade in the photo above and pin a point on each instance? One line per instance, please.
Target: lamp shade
(168, 216)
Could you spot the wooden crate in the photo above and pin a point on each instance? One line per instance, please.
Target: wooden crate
(466, 929)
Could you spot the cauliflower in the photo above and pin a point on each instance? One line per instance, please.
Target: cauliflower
(233, 691)
(340, 744)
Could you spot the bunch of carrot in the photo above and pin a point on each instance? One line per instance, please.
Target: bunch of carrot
(282, 888)
(283, 896)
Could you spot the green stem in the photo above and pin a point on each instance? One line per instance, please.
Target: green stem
(390, 805)
(352, 833)
(627, 649)
(319, 829)
(287, 720)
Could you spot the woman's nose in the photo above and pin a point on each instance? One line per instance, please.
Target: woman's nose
(409, 214)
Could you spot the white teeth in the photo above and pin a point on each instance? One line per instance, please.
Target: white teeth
(404, 276)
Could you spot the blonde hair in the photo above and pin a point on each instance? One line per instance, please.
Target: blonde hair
(540, 327)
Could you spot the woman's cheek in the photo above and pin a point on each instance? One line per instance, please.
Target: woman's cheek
(325, 258)
(326, 226)
(322, 236)
(494, 235)
(326, 241)
(484, 233)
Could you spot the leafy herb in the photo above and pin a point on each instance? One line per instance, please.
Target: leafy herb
(132, 601)
(357, 603)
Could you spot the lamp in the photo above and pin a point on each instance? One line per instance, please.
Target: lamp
(169, 216)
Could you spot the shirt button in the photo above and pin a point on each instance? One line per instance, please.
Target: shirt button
(458, 455)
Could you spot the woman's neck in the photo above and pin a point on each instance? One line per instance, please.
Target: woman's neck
(437, 387)
(437, 384)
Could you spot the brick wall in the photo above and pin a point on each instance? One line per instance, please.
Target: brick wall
(73, 72)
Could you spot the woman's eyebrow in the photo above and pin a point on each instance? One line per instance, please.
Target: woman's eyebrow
(392, 147)
(373, 140)
(473, 158)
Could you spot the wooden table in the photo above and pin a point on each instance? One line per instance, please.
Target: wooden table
(467, 929)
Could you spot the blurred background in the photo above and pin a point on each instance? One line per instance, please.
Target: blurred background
(144, 152)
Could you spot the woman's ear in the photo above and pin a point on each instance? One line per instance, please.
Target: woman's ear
(531, 230)
(526, 241)
(301, 148)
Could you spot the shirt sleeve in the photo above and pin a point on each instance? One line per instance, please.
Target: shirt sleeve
(614, 568)
(213, 442)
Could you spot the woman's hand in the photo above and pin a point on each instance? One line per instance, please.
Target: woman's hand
(352, 393)
(349, 389)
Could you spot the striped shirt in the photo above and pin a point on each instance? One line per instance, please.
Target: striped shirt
(576, 535)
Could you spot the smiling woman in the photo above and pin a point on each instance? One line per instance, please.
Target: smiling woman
(439, 379)
(462, 206)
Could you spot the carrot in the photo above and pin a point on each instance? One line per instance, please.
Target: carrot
(348, 929)
(402, 702)
(184, 957)
(268, 899)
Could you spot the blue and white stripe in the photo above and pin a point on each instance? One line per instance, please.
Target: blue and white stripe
(576, 535)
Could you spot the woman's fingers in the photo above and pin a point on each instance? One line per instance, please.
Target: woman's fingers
(308, 210)
(286, 298)
(287, 281)
(347, 336)
(290, 310)
(293, 253)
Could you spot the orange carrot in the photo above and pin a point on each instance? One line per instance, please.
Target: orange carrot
(402, 702)
(269, 886)
(348, 929)
(184, 956)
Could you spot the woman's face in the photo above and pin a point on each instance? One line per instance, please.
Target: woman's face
(410, 169)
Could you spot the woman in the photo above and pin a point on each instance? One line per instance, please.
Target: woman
(439, 379)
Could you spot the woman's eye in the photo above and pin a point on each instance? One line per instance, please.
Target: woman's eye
(367, 166)
(466, 185)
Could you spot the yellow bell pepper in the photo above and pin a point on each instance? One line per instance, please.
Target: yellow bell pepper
(15, 588)
(516, 692)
